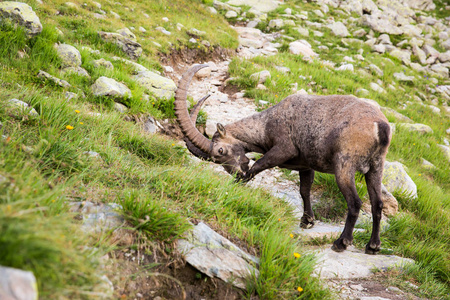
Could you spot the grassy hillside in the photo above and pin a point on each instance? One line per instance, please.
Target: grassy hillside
(43, 165)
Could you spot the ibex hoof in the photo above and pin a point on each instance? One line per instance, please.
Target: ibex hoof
(306, 222)
(341, 244)
(372, 250)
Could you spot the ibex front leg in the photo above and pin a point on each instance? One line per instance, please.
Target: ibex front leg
(272, 158)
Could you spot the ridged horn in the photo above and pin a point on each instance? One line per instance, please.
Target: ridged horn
(193, 115)
(196, 109)
(187, 127)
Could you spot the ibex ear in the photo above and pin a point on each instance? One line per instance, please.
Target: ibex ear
(221, 130)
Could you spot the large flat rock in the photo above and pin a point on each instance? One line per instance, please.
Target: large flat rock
(215, 256)
(354, 263)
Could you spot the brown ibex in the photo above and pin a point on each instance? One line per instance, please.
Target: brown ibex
(332, 134)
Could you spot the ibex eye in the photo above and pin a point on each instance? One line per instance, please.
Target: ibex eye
(220, 150)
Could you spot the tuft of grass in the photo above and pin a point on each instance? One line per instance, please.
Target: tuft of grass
(151, 218)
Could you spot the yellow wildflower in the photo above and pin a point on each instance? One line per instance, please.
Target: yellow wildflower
(69, 127)
(300, 289)
(297, 255)
(291, 235)
(81, 123)
(77, 111)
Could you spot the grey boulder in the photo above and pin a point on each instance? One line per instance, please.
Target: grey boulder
(215, 256)
(21, 14)
(105, 86)
(17, 284)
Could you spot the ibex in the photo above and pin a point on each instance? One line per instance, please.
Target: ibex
(333, 134)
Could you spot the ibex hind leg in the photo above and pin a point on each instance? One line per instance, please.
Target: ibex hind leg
(373, 181)
(345, 179)
(306, 181)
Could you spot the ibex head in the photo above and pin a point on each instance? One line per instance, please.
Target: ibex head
(224, 148)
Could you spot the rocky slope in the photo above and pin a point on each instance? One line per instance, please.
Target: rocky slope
(401, 29)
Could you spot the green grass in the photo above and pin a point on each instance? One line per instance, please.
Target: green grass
(421, 230)
(160, 191)
(43, 166)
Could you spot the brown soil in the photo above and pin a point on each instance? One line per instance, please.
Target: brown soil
(376, 286)
(229, 89)
(156, 276)
(186, 56)
(144, 269)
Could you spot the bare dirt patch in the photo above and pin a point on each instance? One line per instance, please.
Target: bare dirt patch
(187, 56)
(149, 276)
(374, 286)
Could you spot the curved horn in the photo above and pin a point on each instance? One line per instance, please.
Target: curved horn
(196, 151)
(193, 115)
(186, 125)
(196, 109)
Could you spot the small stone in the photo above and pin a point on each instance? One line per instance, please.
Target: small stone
(396, 179)
(212, 10)
(260, 77)
(150, 126)
(357, 287)
(346, 67)
(359, 33)
(46, 76)
(70, 95)
(168, 69)
(105, 86)
(159, 86)
(339, 29)
(394, 289)
(362, 92)
(203, 73)
(23, 15)
(103, 63)
(69, 55)
(419, 128)
(231, 14)
(301, 47)
(403, 78)
(115, 15)
(377, 88)
(92, 154)
(76, 70)
(276, 23)
(376, 69)
(163, 30)
(427, 165)
(120, 107)
(445, 150)
(23, 106)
